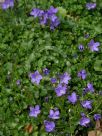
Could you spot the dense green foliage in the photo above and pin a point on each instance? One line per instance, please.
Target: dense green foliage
(26, 46)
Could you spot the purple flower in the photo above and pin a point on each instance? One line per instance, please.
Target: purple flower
(87, 104)
(53, 80)
(97, 116)
(93, 45)
(34, 111)
(60, 90)
(84, 121)
(7, 4)
(81, 47)
(54, 24)
(52, 10)
(65, 78)
(72, 98)
(85, 90)
(36, 12)
(46, 71)
(35, 77)
(86, 36)
(44, 18)
(53, 18)
(90, 6)
(83, 114)
(82, 74)
(54, 114)
(18, 82)
(90, 87)
(49, 126)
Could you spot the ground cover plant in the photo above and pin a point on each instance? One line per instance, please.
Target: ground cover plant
(50, 67)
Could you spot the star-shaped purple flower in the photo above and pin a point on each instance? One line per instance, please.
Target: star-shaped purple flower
(72, 98)
(54, 114)
(44, 18)
(52, 10)
(49, 126)
(34, 111)
(93, 45)
(97, 116)
(87, 104)
(35, 77)
(7, 4)
(36, 12)
(54, 23)
(90, 87)
(84, 121)
(90, 5)
(60, 90)
(82, 74)
(65, 78)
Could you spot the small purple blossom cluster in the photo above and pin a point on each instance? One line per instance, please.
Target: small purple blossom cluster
(93, 46)
(90, 5)
(47, 17)
(7, 4)
(53, 114)
(61, 87)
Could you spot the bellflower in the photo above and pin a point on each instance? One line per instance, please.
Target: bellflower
(49, 126)
(60, 90)
(82, 74)
(18, 82)
(44, 18)
(72, 98)
(65, 78)
(35, 77)
(87, 104)
(86, 36)
(85, 90)
(90, 87)
(46, 71)
(83, 114)
(53, 80)
(84, 121)
(52, 10)
(54, 114)
(34, 111)
(81, 47)
(7, 4)
(36, 12)
(97, 116)
(90, 5)
(93, 45)
(54, 24)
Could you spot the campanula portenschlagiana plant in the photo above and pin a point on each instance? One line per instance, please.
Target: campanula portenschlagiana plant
(50, 67)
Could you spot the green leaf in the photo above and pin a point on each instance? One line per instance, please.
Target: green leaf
(98, 65)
